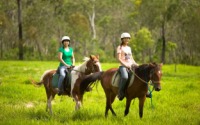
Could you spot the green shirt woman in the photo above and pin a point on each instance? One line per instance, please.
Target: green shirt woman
(66, 58)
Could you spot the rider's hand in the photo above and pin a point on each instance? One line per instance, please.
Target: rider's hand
(128, 66)
(72, 66)
(134, 66)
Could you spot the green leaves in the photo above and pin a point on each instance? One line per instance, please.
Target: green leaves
(142, 42)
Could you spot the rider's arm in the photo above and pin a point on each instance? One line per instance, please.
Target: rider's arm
(61, 60)
(134, 63)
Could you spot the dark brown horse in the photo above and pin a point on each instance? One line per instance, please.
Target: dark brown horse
(137, 88)
(90, 65)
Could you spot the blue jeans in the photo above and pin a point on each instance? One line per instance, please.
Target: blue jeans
(123, 81)
(62, 74)
(123, 74)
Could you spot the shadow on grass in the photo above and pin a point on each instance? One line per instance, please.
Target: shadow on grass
(69, 116)
(90, 115)
(84, 115)
(40, 115)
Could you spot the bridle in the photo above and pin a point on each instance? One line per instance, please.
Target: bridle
(151, 74)
(94, 65)
(150, 82)
(92, 68)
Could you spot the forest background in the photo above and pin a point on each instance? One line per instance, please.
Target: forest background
(162, 30)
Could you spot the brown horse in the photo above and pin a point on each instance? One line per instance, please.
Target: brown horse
(137, 88)
(90, 65)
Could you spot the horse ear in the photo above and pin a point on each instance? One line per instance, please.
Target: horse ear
(97, 56)
(151, 64)
(92, 57)
(154, 63)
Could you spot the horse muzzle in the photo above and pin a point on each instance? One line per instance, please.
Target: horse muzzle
(157, 88)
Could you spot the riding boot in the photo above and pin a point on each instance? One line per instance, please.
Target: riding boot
(121, 92)
(60, 90)
(60, 86)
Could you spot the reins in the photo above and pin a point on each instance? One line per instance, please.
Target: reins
(148, 85)
(77, 70)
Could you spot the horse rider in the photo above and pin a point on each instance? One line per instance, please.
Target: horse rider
(66, 59)
(124, 56)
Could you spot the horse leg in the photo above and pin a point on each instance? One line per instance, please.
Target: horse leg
(112, 100)
(128, 102)
(77, 101)
(49, 99)
(107, 108)
(109, 100)
(141, 105)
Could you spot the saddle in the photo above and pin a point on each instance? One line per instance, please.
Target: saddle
(66, 82)
(116, 79)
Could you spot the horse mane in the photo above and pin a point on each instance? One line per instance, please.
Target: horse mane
(144, 69)
(143, 66)
(85, 59)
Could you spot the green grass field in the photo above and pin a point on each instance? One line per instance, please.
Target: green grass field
(22, 103)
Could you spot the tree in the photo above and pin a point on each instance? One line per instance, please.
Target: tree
(142, 44)
(158, 14)
(95, 26)
(21, 53)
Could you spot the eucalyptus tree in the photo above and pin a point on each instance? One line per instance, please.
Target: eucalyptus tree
(188, 28)
(9, 30)
(21, 52)
(157, 14)
(142, 44)
(173, 20)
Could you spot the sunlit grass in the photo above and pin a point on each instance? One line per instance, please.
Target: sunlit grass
(22, 103)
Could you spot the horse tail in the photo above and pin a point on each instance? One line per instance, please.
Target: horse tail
(36, 83)
(89, 80)
(41, 79)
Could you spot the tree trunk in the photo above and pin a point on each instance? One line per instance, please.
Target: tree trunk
(143, 56)
(20, 31)
(1, 46)
(163, 42)
(92, 22)
(114, 48)
(150, 55)
(39, 49)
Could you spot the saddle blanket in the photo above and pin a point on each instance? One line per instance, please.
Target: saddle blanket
(55, 80)
(116, 78)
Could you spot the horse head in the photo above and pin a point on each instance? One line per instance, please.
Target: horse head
(93, 65)
(155, 75)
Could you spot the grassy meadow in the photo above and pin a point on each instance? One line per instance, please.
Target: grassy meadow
(22, 103)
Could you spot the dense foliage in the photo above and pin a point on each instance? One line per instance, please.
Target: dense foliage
(162, 30)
